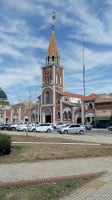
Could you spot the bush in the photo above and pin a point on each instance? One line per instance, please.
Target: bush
(5, 145)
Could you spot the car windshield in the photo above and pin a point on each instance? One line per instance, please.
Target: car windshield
(66, 125)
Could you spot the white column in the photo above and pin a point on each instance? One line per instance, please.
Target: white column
(11, 114)
(19, 114)
(41, 96)
(82, 113)
(41, 108)
(63, 78)
(72, 115)
(61, 112)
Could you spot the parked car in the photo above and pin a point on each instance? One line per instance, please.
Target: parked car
(12, 127)
(72, 129)
(32, 127)
(44, 127)
(87, 126)
(109, 128)
(22, 126)
(63, 126)
(4, 126)
(59, 125)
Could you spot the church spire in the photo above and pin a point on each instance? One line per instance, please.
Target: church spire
(53, 54)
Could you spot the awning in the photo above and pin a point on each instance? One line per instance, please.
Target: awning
(102, 118)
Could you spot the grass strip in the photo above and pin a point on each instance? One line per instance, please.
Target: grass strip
(44, 189)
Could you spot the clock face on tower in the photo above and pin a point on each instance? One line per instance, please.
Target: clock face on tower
(47, 69)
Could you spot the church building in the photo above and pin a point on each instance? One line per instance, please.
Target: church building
(57, 105)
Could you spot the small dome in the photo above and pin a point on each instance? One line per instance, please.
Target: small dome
(2, 94)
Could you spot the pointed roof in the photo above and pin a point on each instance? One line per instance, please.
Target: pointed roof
(53, 50)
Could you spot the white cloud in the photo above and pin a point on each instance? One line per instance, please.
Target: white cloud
(24, 40)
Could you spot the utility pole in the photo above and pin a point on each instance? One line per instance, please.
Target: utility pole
(83, 50)
(83, 65)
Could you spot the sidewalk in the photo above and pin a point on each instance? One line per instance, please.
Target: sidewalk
(63, 168)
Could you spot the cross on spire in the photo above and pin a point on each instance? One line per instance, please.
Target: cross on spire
(53, 18)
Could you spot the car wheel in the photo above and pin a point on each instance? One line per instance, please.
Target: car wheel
(24, 130)
(33, 130)
(81, 132)
(65, 132)
(13, 129)
(49, 130)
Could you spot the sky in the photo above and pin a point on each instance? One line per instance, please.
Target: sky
(25, 31)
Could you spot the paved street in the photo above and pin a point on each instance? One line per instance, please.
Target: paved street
(95, 136)
(100, 189)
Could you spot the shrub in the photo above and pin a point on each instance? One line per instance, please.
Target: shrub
(5, 145)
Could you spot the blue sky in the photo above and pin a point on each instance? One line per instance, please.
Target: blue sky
(25, 29)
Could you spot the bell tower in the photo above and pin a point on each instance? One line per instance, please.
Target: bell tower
(52, 79)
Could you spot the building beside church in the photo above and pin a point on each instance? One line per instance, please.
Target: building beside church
(21, 112)
(3, 105)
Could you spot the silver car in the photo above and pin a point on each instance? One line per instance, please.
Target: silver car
(44, 127)
(72, 129)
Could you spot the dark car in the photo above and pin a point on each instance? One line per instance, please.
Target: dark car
(4, 126)
(109, 128)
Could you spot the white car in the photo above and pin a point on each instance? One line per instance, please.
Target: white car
(32, 127)
(12, 127)
(59, 125)
(44, 127)
(22, 126)
(63, 126)
(72, 129)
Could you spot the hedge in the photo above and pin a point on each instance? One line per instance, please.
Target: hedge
(5, 144)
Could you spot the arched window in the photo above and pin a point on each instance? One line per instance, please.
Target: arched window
(58, 79)
(65, 115)
(90, 106)
(47, 98)
(58, 115)
(52, 58)
(48, 59)
(69, 115)
(58, 102)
